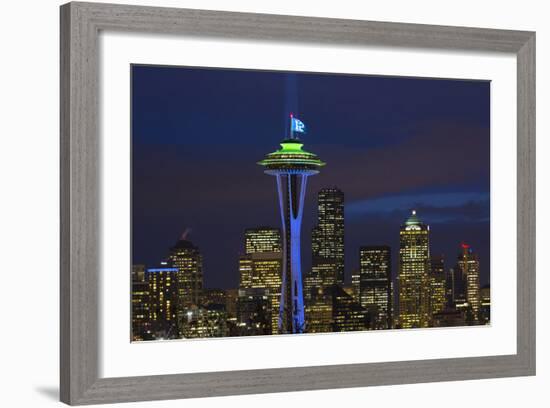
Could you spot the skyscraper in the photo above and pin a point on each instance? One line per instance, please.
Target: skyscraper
(163, 296)
(187, 259)
(449, 288)
(319, 308)
(485, 305)
(141, 324)
(375, 284)
(437, 284)
(254, 315)
(266, 274)
(327, 238)
(469, 265)
(212, 296)
(262, 239)
(245, 271)
(413, 279)
(204, 321)
(458, 288)
(291, 166)
(262, 265)
(347, 315)
(356, 285)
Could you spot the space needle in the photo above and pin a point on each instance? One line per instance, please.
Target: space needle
(291, 165)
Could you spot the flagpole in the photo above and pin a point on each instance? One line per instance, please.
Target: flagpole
(291, 132)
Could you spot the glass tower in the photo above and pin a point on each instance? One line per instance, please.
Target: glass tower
(375, 284)
(327, 238)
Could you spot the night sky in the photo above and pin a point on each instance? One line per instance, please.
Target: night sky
(390, 143)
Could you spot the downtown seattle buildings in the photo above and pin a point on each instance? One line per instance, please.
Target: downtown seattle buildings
(169, 300)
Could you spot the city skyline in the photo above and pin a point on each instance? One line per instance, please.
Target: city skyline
(441, 125)
(170, 302)
(344, 251)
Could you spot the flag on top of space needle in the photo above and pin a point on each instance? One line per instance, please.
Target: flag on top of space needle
(296, 125)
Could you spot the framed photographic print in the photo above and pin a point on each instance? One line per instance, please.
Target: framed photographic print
(310, 203)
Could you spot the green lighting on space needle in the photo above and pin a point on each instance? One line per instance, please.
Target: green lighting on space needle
(290, 157)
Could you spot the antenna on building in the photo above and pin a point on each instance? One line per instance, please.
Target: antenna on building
(185, 234)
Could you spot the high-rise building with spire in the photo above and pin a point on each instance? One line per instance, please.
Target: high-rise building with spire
(187, 258)
(413, 279)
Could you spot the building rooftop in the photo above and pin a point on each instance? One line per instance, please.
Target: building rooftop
(413, 219)
(184, 244)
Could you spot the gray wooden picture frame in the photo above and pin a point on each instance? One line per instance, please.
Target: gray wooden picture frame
(80, 235)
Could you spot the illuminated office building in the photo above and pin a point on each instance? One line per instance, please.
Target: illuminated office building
(254, 313)
(163, 295)
(204, 321)
(245, 271)
(291, 166)
(318, 310)
(448, 318)
(458, 287)
(375, 284)
(318, 305)
(262, 266)
(469, 265)
(138, 273)
(347, 315)
(485, 305)
(262, 239)
(327, 262)
(438, 299)
(355, 284)
(231, 302)
(231, 296)
(213, 296)
(449, 284)
(413, 279)
(141, 324)
(187, 259)
(327, 238)
(267, 274)
(312, 284)
(349, 290)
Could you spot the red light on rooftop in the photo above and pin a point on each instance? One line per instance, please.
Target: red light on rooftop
(464, 245)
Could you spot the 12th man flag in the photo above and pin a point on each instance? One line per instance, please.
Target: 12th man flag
(296, 125)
